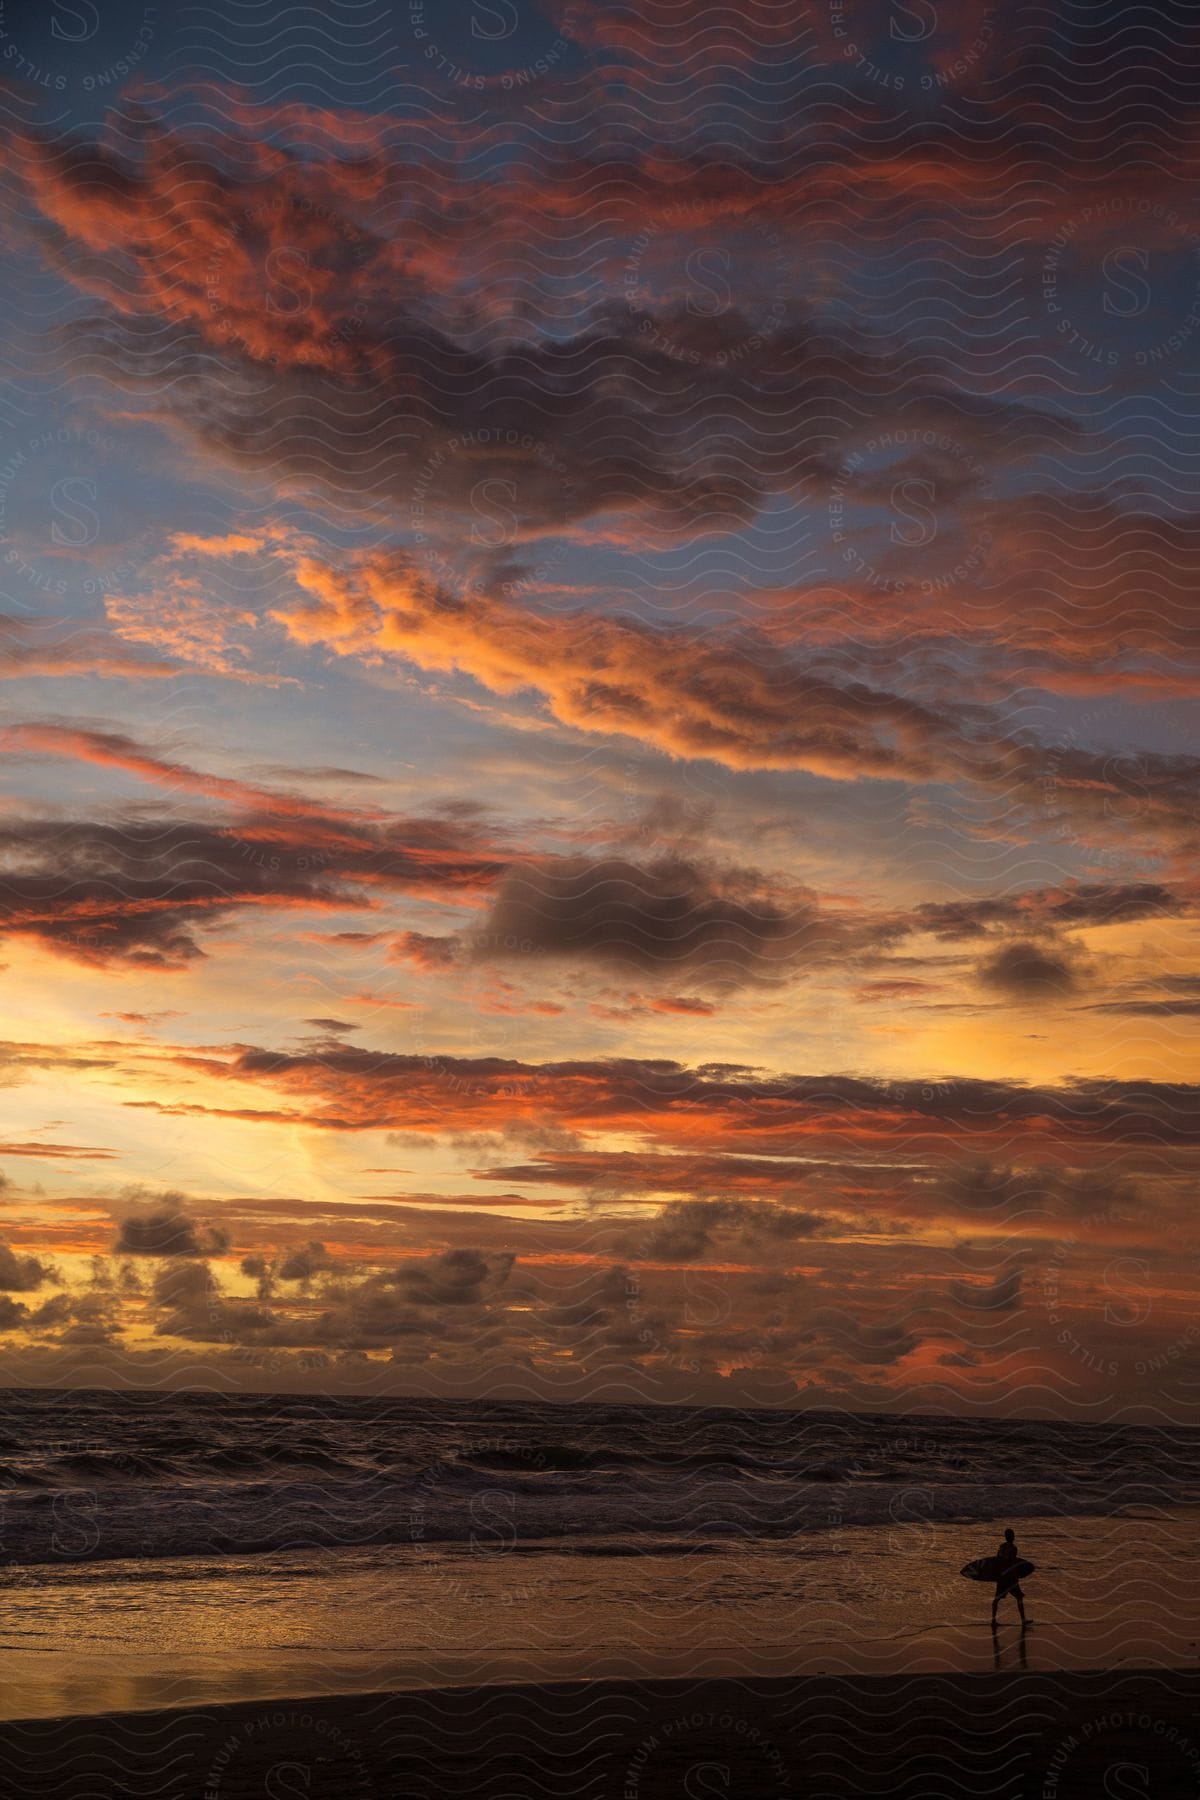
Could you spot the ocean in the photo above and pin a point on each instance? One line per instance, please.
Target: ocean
(91, 1475)
(170, 1548)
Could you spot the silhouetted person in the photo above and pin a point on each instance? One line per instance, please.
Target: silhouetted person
(1007, 1558)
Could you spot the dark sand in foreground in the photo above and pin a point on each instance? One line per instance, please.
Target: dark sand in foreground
(1016, 1736)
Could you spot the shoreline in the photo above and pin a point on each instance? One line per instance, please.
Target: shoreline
(1108, 1594)
(1011, 1736)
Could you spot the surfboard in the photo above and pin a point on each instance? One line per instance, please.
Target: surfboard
(987, 1568)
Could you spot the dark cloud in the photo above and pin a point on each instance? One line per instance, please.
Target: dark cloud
(1002, 1294)
(20, 1274)
(725, 926)
(685, 1230)
(184, 1286)
(87, 1318)
(724, 1106)
(430, 954)
(90, 1336)
(363, 393)
(1150, 1009)
(864, 1341)
(1040, 1198)
(112, 1276)
(192, 1304)
(302, 1263)
(411, 1302)
(627, 441)
(625, 1171)
(1169, 997)
(979, 1188)
(52, 1312)
(1028, 970)
(166, 1229)
(729, 926)
(1073, 905)
(666, 918)
(456, 1278)
(144, 893)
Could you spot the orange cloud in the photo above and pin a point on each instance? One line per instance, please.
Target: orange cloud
(747, 706)
(350, 1089)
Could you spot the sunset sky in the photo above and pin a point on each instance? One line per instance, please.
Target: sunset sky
(600, 613)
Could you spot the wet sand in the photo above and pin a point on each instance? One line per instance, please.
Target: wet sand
(1009, 1736)
(179, 1633)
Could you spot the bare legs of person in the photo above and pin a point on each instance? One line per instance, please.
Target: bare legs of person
(1019, 1597)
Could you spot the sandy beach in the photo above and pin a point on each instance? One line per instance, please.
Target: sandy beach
(1010, 1736)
